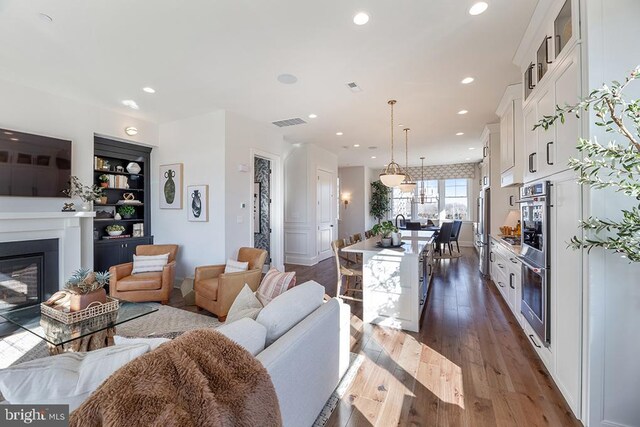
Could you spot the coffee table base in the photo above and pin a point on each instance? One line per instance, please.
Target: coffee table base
(94, 341)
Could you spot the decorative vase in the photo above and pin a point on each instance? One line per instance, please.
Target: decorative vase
(87, 206)
(396, 238)
(196, 203)
(103, 200)
(81, 301)
(133, 168)
(104, 184)
(386, 241)
(169, 186)
(117, 216)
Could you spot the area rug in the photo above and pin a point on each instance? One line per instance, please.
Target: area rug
(331, 405)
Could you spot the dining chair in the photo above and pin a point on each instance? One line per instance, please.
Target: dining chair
(413, 225)
(356, 238)
(348, 270)
(368, 234)
(444, 237)
(455, 233)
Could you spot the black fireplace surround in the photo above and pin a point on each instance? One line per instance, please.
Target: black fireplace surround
(28, 274)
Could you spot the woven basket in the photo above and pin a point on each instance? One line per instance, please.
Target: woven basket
(94, 309)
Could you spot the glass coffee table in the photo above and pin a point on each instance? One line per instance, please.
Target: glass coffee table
(91, 334)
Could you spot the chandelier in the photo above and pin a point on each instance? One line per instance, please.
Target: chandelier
(392, 175)
(408, 185)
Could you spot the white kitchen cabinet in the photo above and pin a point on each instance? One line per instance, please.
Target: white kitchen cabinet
(511, 136)
(486, 159)
(566, 287)
(567, 91)
(530, 143)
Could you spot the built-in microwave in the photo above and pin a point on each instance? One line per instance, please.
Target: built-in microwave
(534, 218)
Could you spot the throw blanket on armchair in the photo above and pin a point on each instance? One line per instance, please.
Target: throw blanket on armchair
(201, 378)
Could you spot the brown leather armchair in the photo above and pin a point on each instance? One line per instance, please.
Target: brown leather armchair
(216, 290)
(140, 287)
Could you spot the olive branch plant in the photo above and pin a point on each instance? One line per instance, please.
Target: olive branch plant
(615, 165)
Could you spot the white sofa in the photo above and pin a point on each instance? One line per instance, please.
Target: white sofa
(302, 341)
(309, 352)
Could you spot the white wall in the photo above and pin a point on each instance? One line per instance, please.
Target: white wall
(300, 222)
(352, 216)
(199, 144)
(613, 301)
(34, 111)
(242, 136)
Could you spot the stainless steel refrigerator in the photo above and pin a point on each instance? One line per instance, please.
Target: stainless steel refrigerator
(482, 234)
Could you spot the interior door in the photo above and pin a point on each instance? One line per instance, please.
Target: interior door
(325, 212)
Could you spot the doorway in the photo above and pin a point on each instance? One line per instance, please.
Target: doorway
(325, 213)
(262, 206)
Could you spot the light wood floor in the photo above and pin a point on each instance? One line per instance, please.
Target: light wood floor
(470, 364)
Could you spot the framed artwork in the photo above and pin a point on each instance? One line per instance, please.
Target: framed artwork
(171, 186)
(256, 207)
(198, 208)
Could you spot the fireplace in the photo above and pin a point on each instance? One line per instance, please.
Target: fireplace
(28, 274)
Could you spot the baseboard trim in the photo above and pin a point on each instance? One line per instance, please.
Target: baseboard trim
(300, 260)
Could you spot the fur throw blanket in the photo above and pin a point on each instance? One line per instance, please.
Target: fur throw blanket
(201, 378)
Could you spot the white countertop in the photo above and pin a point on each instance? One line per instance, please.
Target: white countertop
(414, 243)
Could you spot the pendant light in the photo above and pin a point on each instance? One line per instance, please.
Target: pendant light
(408, 184)
(392, 175)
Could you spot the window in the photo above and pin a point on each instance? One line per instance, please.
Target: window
(400, 204)
(430, 208)
(456, 199)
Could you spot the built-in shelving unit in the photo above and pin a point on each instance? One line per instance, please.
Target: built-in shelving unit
(111, 158)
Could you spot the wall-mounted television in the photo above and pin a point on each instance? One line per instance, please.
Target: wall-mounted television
(33, 165)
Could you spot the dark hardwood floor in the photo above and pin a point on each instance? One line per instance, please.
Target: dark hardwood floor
(470, 364)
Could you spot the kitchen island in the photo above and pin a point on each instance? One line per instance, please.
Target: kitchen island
(395, 281)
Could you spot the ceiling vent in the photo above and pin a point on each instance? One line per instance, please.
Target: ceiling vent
(289, 122)
(353, 87)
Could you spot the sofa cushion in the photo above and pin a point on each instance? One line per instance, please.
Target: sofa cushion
(67, 378)
(149, 263)
(140, 282)
(273, 284)
(233, 266)
(246, 304)
(289, 308)
(246, 332)
(207, 288)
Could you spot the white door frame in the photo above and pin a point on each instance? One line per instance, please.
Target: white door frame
(334, 231)
(277, 206)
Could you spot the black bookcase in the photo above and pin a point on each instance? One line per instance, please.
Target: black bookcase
(111, 158)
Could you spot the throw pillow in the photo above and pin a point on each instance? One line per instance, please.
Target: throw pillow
(67, 378)
(149, 263)
(235, 266)
(245, 305)
(290, 308)
(275, 283)
(153, 343)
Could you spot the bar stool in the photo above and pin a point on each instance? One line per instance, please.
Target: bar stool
(351, 271)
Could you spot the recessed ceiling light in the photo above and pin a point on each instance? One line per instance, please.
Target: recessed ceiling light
(45, 18)
(461, 112)
(339, 133)
(361, 18)
(131, 104)
(459, 133)
(467, 80)
(14, 139)
(401, 125)
(478, 8)
(149, 89)
(297, 144)
(313, 116)
(356, 145)
(373, 157)
(472, 148)
(287, 79)
(468, 158)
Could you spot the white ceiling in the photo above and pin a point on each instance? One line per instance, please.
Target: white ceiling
(205, 55)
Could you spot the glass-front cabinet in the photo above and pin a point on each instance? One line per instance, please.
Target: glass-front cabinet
(563, 27)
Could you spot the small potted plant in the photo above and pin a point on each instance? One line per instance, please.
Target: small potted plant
(127, 211)
(115, 230)
(104, 180)
(85, 287)
(384, 230)
(88, 194)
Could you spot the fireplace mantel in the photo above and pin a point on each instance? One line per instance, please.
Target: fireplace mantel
(64, 226)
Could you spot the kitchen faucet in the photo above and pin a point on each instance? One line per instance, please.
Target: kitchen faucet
(404, 220)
